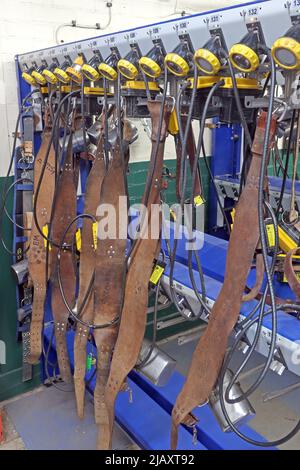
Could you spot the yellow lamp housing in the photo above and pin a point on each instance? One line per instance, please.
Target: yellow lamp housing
(90, 70)
(60, 71)
(108, 68)
(244, 56)
(129, 66)
(208, 58)
(286, 50)
(37, 74)
(49, 74)
(27, 76)
(75, 70)
(152, 63)
(179, 61)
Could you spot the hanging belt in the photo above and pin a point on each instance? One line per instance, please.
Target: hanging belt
(86, 269)
(64, 212)
(110, 276)
(37, 250)
(133, 319)
(260, 272)
(210, 351)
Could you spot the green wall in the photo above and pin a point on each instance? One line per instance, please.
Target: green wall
(137, 178)
(10, 373)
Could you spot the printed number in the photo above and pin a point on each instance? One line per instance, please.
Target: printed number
(254, 11)
(187, 459)
(296, 3)
(214, 19)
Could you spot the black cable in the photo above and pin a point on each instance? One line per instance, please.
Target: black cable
(258, 330)
(183, 171)
(238, 102)
(273, 310)
(20, 180)
(155, 154)
(83, 116)
(62, 246)
(4, 189)
(222, 399)
(145, 360)
(201, 133)
(287, 162)
(56, 117)
(264, 249)
(211, 177)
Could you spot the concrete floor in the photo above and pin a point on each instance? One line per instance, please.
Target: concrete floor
(26, 413)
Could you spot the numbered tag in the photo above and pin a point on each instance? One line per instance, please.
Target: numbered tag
(173, 215)
(232, 217)
(199, 201)
(90, 362)
(78, 240)
(95, 234)
(45, 231)
(270, 229)
(157, 273)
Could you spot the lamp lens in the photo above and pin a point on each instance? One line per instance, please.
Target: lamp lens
(241, 61)
(285, 57)
(174, 67)
(147, 70)
(204, 64)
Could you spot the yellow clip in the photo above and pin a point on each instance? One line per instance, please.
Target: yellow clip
(271, 235)
(45, 231)
(173, 123)
(198, 200)
(156, 275)
(233, 217)
(95, 234)
(173, 215)
(78, 240)
(297, 274)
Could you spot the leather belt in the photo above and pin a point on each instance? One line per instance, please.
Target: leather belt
(110, 276)
(86, 269)
(133, 319)
(37, 250)
(210, 351)
(260, 272)
(64, 212)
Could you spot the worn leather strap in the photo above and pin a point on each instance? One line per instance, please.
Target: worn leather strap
(191, 152)
(110, 276)
(86, 269)
(260, 272)
(210, 351)
(290, 273)
(64, 212)
(133, 320)
(37, 250)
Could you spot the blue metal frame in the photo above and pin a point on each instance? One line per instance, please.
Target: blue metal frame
(225, 160)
